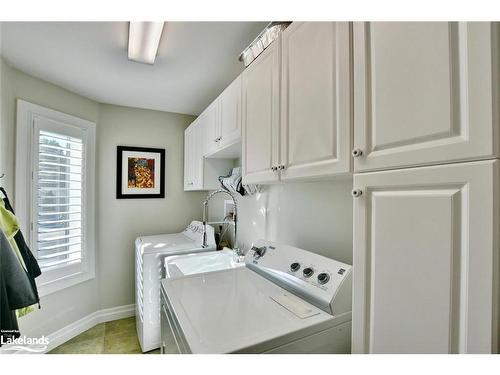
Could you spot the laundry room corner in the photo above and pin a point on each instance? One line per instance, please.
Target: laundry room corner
(121, 221)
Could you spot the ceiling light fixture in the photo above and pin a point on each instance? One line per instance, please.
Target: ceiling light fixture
(143, 41)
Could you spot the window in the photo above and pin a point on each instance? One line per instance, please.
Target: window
(55, 193)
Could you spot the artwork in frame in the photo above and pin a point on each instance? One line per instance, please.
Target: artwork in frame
(140, 172)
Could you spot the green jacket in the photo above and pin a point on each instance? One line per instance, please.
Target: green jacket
(19, 267)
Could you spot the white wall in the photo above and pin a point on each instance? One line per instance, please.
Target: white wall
(315, 216)
(120, 221)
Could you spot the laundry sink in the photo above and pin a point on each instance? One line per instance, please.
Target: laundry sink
(189, 264)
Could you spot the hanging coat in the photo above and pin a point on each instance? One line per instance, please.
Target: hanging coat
(29, 260)
(15, 290)
(10, 228)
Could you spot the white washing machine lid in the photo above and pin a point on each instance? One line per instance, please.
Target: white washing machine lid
(234, 310)
(165, 243)
(175, 243)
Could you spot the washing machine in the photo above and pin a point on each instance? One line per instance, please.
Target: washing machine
(150, 253)
(285, 300)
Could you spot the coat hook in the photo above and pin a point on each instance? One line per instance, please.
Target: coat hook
(3, 175)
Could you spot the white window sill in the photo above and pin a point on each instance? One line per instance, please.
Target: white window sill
(52, 286)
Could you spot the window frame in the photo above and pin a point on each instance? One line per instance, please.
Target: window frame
(63, 277)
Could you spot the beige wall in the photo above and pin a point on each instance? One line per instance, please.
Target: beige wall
(120, 221)
(69, 305)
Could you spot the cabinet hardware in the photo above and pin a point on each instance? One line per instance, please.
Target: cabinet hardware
(357, 152)
(356, 193)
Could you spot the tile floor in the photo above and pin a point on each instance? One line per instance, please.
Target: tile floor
(116, 337)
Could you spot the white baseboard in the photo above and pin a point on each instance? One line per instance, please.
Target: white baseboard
(74, 329)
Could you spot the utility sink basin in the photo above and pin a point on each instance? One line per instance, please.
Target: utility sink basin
(189, 264)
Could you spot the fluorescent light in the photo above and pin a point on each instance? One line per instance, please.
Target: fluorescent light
(143, 41)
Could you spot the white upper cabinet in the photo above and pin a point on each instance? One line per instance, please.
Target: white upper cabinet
(425, 260)
(297, 106)
(192, 155)
(230, 114)
(209, 123)
(424, 93)
(315, 100)
(260, 146)
(201, 173)
(221, 122)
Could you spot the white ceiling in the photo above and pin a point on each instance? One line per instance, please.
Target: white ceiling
(195, 62)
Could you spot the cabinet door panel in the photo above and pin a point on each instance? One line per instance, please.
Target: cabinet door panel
(315, 115)
(423, 93)
(230, 114)
(188, 157)
(261, 117)
(208, 121)
(424, 258)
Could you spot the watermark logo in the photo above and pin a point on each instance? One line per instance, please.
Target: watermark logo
(23, 344)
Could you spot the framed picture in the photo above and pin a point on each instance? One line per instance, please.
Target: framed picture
(140, 172)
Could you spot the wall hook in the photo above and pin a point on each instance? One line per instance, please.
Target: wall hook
(3, 175)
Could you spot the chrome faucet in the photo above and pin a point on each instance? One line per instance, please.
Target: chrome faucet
(236, 249)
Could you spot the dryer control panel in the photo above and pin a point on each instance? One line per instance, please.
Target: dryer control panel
(322, 281)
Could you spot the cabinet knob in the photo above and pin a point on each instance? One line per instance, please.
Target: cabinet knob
(357, 152)
(281, 167)
(274, 169)
(356, 193)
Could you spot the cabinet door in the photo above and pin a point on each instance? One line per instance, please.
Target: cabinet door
(261, 81)
(189, 157)
(230, 114)
(197, 156)
(315, 100)
(426, 260)
(209, 123)
(424, 93)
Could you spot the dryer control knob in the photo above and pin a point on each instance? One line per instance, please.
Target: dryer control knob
(323, 278)
(294, 267)
(308, 272)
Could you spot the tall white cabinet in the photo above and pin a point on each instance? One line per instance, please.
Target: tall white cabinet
(424, 93)
(297, 106)
(426, 244)
(425, 257)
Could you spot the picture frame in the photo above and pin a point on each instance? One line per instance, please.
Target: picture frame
(140, 172)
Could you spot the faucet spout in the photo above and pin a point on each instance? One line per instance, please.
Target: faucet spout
(236, 249)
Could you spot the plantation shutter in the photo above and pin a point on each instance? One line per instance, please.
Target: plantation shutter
(58, 194)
